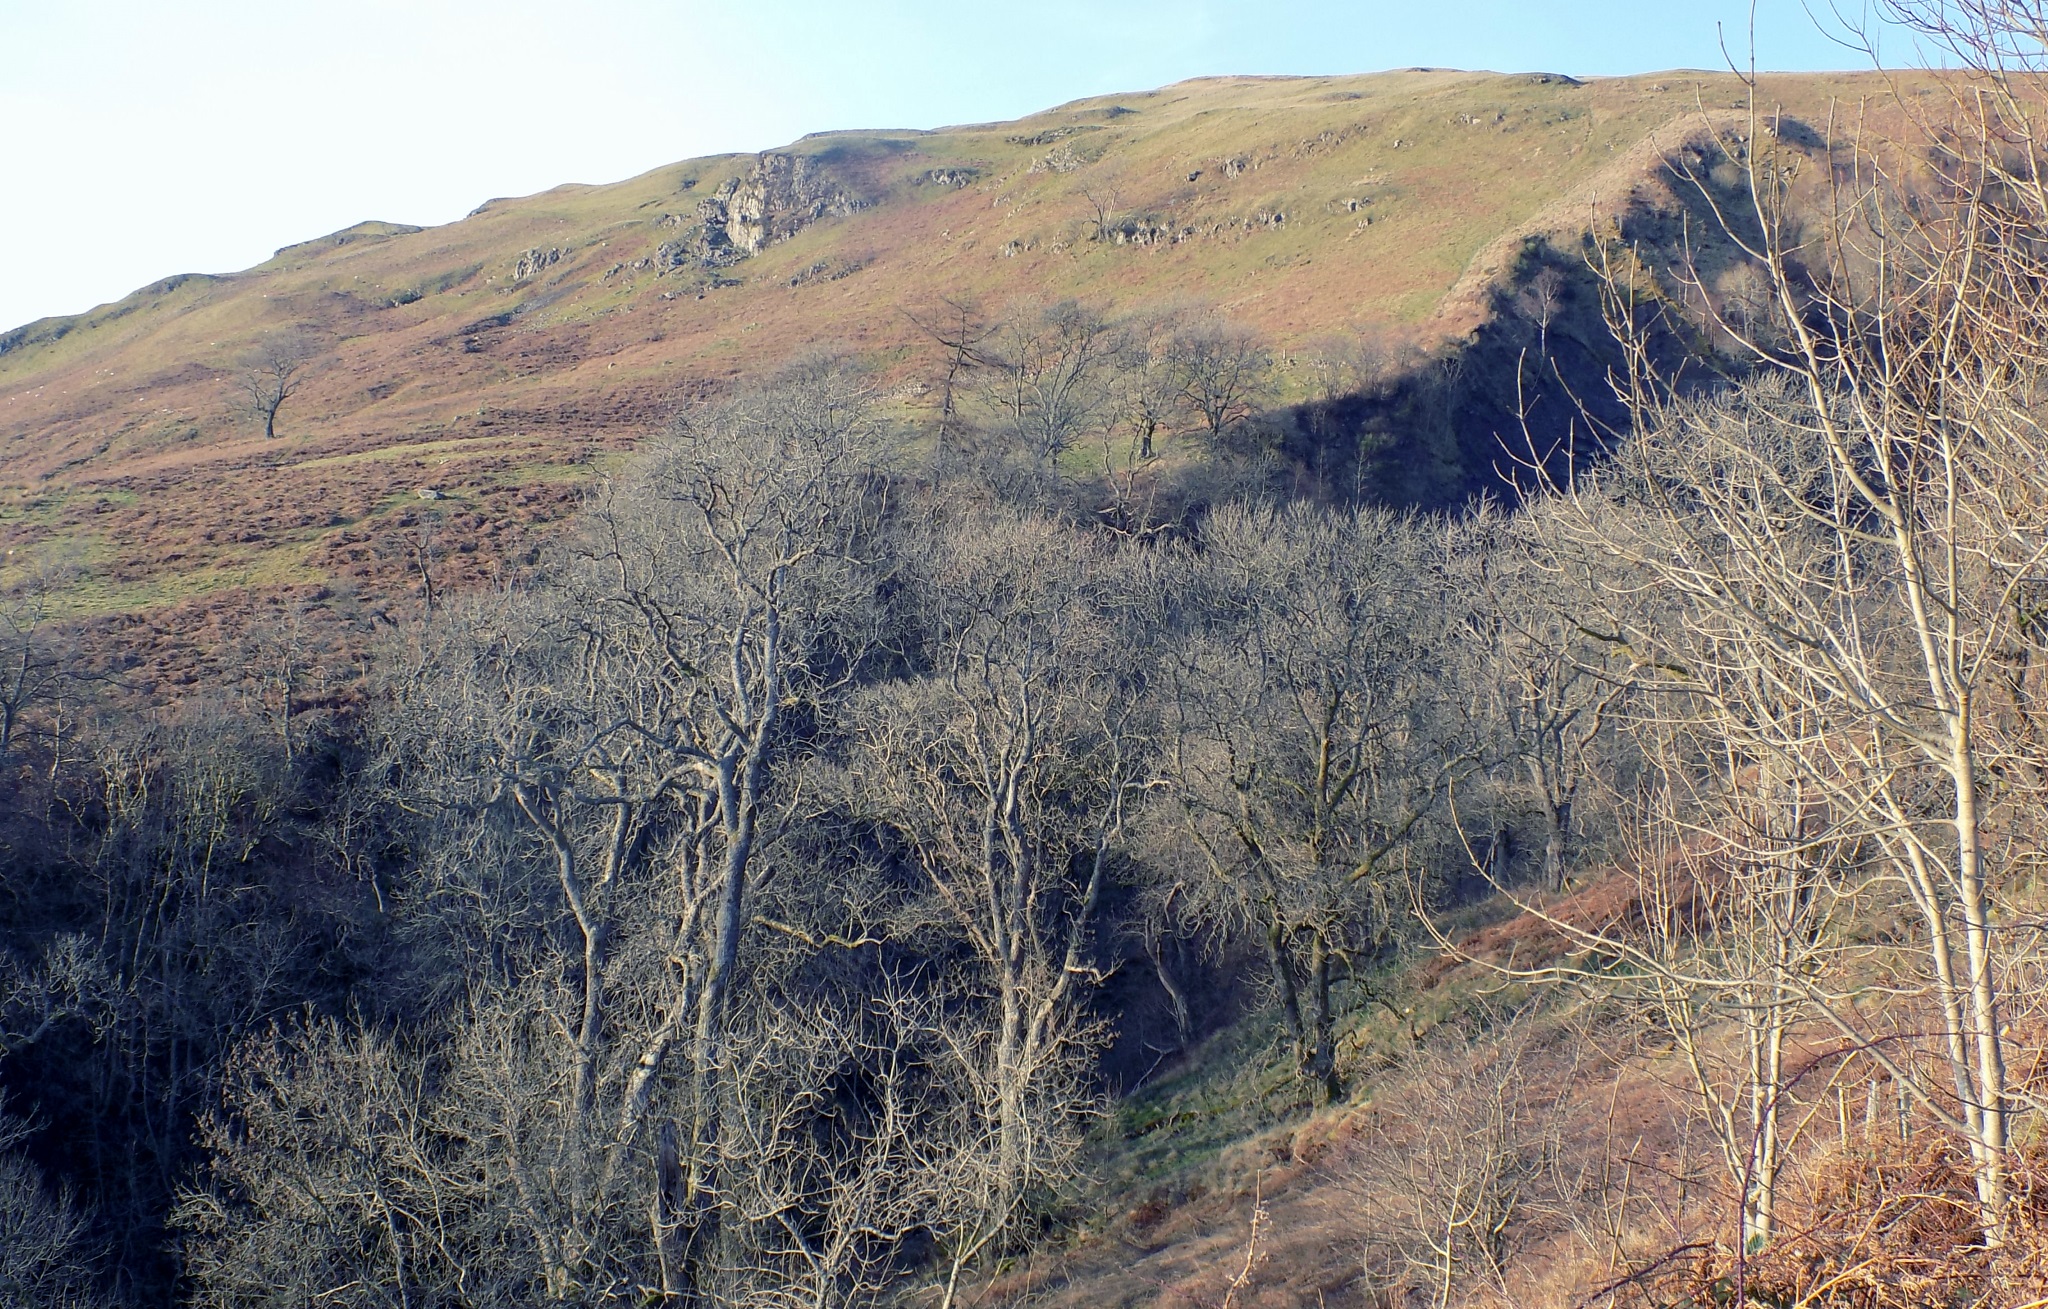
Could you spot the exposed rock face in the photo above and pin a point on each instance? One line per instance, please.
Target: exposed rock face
(1059, 159)
(533, 261)
(1140, 231)
(781, 196)
(1054, 134)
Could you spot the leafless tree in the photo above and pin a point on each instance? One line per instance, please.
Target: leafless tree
(1542, 298)
(1224, 371)
(604, 753)
(1104, 212)
(1143, 404)
(960, 331)
(1357, 362)
(1550, 701)
(834, 1180)
(284, 670)
(1007, 768)
(334, 1184)
(183, 951)
(1462, 1155)
(1836, 573)
(1045, 376)
(46, 1252)
(67, 979)
(32, 666)
(1309, 737)
(271, 373)
(447, 1169)
(1746, 885)
(1838, 556)
(1146, 398)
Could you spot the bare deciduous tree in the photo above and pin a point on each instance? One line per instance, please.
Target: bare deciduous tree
(1007, 767)
(32, 665)
(1308, 740)
(1836, 558)
(1045, 376)
(1460, 1160)
(604, 755)
(1549, 698)
(46, 1251)
(959, 330)
(1224, 373)
(271, 373)
(1542, 298)
(846, 1142)
(334, 1183)
(1146, 397)
(1824, 575)
(1104, 213)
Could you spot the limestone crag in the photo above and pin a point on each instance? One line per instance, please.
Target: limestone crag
(779, 197)
(533, 261)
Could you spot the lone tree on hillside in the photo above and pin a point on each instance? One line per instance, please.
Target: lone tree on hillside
(271, 374)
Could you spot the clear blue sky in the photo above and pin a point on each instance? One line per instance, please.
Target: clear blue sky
(143, 138)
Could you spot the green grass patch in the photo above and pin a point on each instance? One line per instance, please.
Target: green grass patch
(24, 509)
(100, 596)
(550, 474)
(453, 448)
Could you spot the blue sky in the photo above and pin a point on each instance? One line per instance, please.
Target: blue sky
(144, 138)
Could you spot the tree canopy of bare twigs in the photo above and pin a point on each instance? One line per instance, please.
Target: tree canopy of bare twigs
(270, 374)
(1307, 744)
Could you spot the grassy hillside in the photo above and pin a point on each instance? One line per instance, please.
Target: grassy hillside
(500, 358)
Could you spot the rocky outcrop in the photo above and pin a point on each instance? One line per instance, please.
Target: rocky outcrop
(1144, 232)
(780, 196)
(1059, 159)
(1052, 135)
(533, 261)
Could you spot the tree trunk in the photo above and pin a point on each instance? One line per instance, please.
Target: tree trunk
(1557, 818)
(1283, 977)
(1991, 1143)
(1176, 999)
(1321, 1065)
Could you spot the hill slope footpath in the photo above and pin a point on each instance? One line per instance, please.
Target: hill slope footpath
(495, 361)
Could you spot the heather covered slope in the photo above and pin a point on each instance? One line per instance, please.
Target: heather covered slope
(499, 358)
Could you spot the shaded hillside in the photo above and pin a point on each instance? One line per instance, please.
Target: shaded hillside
(496, 360)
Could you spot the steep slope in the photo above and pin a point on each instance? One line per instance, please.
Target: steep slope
(496, 360)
